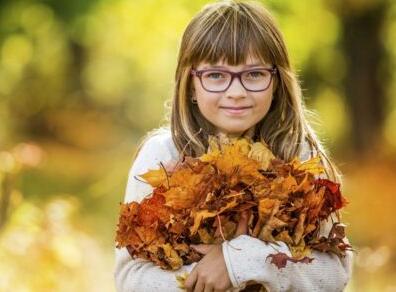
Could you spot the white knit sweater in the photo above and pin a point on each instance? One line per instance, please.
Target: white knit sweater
(247, 262)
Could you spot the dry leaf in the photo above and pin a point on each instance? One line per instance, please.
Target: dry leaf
(200, 200)
(280, 259)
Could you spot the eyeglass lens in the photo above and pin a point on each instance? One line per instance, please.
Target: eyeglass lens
(252, 80)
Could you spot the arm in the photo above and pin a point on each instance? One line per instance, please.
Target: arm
(135, 275)
(246, 261)
(327, 272)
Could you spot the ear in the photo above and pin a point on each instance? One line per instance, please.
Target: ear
(276, 83)
(193, 97)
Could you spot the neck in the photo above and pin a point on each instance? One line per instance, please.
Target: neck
(249, 133)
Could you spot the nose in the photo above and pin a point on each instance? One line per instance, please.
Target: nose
(236, 89)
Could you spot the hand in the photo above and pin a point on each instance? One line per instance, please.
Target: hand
(210, 274)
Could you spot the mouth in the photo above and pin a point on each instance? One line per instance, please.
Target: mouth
(235, 110)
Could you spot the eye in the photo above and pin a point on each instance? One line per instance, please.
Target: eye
(214, 75)
(256, 74)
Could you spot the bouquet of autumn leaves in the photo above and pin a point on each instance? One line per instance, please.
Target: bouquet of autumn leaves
(200, 200)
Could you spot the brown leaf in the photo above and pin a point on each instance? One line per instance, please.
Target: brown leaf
(280, 259)
(200, 200)
(300, 227)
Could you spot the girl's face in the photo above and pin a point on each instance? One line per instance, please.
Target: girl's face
(236, 109)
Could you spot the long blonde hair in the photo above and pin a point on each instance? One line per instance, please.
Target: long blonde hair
(230, 30)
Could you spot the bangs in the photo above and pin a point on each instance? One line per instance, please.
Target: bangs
(230, 36)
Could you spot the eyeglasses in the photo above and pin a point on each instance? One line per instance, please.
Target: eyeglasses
(219, 80)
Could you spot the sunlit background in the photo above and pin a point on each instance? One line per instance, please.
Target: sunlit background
(82, 81)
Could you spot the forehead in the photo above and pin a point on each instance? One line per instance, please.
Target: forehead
(250, 61)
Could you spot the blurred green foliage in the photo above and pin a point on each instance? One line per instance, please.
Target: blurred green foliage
(82, 81)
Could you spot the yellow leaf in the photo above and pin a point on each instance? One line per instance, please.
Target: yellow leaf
(181, 280)
(299, 229)
(155, 177)
(305, 186)
(171, 256)
(203, 214)
(198, 217)
(262, 154)
(300, 251)
(312, 165)
(285, 237)
(205, 236)
(179, 198)
(272, 224)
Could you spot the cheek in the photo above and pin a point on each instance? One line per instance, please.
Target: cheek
(264, 102)
(262, 107)
(206, 99)
(208, 104)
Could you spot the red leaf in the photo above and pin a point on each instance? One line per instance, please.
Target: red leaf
(280, 259)
(332, 195)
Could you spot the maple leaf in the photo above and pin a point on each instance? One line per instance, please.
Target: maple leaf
(261, 153)
(235, 160)
(181, 280)
(200, 200)
(300, 227)
(155, 177)
(225, 228)
(334, 199)
(170, 256)
(153, 209)
(203, 214)
(334, 243)
(280, 259)
(300, 250)
(285, 237)
(314, 202)
(189, 183)
(266, 209)
(282, 186)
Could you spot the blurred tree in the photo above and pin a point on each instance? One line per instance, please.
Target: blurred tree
(367, 67)
(6, 184)
(69, 10)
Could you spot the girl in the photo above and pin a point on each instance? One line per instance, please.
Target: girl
(233, 78)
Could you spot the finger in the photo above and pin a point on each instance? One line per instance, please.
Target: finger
(191, 279)
(202, 248)
(242, 227)
(200, 285)
(242, 224)
(209, 288)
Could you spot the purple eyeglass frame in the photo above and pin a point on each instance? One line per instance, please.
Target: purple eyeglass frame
(238, 75)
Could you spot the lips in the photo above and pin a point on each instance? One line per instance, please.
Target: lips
(235, 107)
(235, 111)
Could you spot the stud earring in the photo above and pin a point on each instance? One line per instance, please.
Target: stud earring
(194, 101)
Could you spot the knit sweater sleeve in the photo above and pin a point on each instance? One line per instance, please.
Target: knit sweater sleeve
(246, 261)
(138, 275)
